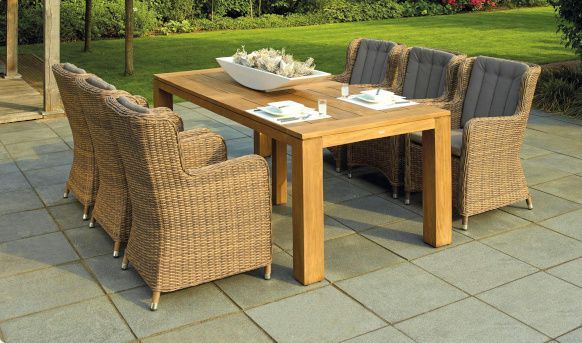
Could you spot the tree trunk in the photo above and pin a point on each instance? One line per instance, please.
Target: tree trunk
(251, 8)
(88, 24)
(128, 37)
(212, 10)
(259, 9)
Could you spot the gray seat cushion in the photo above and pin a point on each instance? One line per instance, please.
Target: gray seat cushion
(456, 140)
(73, 68)
(494, 88)
(426, 73)
(132, 105)
(371, 61)
(99, 83)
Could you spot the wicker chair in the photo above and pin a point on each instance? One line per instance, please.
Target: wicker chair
(424, 75)
(385, 55)
(112, 207)
(82, 179)
(197, 217)
(488, 117)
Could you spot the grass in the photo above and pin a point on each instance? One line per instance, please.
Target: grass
(527, 34)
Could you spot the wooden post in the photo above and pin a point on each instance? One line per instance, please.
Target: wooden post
(279, 173)
(128, 37)
(88, 24)
(12, 39)
(52, 55)
(437, 183)
(307, 209)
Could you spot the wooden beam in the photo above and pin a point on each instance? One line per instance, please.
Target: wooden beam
(52, 55)
(12, 39)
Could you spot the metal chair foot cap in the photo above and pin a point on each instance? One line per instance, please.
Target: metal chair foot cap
(267, 276)
(85, 216)
(338, 170)
(153, 306)
(124, 266)
(116, 254)
(349, 175)
(530, 207)
(465, 227)
(91, 224)
(394, 195)
(407, 202)
(65, 195)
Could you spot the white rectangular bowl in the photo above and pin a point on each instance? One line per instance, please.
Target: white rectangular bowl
(262, 80)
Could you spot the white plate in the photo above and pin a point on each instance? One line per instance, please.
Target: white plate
(283, 111)
(369, 98)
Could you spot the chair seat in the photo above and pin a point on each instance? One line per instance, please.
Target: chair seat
(456, 140)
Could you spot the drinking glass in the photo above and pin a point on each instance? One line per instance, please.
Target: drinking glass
(345, 90)
(322, 106)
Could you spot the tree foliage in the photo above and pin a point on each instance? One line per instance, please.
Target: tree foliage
(569, 14)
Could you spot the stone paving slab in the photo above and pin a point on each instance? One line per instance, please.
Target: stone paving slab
(469, 320)
(93, 320)
(307, 317)
(383, 283)
(542, 301)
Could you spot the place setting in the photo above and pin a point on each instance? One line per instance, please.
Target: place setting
(289, 112)
(376, 99)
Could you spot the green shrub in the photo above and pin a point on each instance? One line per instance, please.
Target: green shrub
(557, 88)
(339, 11)
(522, 3)
(569, 13)
(575, 109)
(411, 8)
(108, 20)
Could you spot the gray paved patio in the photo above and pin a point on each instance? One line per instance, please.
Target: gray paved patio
(515, 276)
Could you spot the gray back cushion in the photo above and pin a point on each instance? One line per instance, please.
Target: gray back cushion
(73, 68)
(132, 105)
(494, 88)
(99, 83)
(371, 61)
(426, 73)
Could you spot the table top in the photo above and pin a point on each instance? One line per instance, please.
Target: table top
(214, 87)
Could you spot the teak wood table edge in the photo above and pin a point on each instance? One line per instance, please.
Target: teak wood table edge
(307, 143)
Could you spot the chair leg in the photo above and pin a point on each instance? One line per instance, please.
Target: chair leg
(338, 166)
(92, 222)
(465, 223)
(394, 192)
(125, 262)
(529, 202)
(349, 173)
(116, 246)
(407, 198)
(86, 212)
(66, 193)
(268, 272)
(155, 300)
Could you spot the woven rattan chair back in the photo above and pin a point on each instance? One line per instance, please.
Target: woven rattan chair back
(83, 177)
(112, 208)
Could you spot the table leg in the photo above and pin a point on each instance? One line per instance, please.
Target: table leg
(437, 179)
(262, 144)
(307, 163)
(161, 97)
(279, 173)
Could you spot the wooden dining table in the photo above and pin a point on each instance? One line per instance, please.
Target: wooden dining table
(214, 90)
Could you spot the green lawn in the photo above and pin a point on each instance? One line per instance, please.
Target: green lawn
(524, 34)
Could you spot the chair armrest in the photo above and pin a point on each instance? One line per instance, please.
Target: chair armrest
(138, 99)
(494, 132)
(200, 147)
(231, 190)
